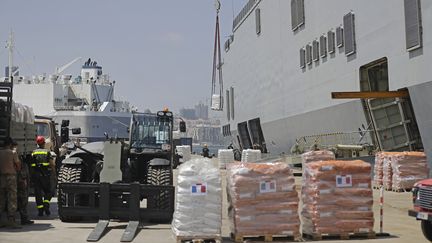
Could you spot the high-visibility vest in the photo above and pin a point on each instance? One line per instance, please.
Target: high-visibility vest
(41, 158)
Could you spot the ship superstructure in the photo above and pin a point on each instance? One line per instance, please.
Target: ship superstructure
(87, 100)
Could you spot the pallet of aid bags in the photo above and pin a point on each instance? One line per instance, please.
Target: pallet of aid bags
(198, 207)
(337, 200)
(263, 202)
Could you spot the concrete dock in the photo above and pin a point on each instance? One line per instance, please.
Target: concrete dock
(50, 229)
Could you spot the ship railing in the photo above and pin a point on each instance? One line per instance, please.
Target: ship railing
(246, 10)
(331, 140)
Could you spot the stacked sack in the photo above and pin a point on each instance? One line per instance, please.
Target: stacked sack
(383, 170)
(387, 170)
(408, 168)
(262, 199)
(317, 155)
(225, 156)
(251, 155)
(198, 207)
(337, 197)
(185, 152)
(378, 169)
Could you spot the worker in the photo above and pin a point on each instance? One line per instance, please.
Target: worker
(205, 151)
(42, 167)
(23, 182)
(9, 165)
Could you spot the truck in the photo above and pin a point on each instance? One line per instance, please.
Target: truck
(17, 122)
(422, 200)
(123, 180)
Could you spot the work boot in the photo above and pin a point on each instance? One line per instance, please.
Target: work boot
(41, 211)
(12, 224)
(26, 221)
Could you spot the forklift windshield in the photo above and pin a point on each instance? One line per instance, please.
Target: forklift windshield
(150, 131)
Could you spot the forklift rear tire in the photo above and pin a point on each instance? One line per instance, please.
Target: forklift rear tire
(67, 173)
(161, 175)
(426, 227)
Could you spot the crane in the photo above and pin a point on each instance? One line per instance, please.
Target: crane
(59, 70)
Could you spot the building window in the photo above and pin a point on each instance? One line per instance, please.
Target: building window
(258, 20)
(227, 99)
(339, 37)
(323, 46)
(331, 41)
(227, 45)
(226, 130)
(297, 14)
(309, 54)
(349, 34)
(413, 24)
(302, 58)
(315, 50)
(232, 102)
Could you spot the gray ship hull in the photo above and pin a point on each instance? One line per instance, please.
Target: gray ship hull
(95, 124)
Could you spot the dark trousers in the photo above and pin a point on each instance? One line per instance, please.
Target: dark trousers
(43, 192)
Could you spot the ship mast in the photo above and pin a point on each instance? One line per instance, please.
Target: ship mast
(10, 46)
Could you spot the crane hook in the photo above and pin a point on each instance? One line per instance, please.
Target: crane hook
(217, 5)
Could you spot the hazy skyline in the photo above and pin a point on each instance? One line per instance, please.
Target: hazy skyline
(159, 52)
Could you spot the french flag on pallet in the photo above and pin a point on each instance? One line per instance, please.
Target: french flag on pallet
(267, 186)
(199, 189)
(344, 181)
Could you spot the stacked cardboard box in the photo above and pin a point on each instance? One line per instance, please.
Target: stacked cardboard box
(263, 199)
(337, 197)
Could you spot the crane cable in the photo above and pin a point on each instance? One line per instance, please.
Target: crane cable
(217, 61)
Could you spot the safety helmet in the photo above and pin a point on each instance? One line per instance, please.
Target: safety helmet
(205, 145)
(40, 140)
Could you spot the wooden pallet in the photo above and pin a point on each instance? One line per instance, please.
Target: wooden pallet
(341, 236)
(266, 237)
(398, 190)
(401, 190)
(198, 239)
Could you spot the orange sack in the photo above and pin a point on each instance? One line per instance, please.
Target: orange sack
(337, 197)
(263, 199)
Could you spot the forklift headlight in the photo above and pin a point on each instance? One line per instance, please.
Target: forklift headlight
(160, 113)
(166, 146)
(169, 114)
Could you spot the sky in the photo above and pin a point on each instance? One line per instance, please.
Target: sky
(158, 51)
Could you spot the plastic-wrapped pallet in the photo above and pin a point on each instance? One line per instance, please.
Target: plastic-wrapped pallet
(216, 102)
(198, 207)
(408, 168)
(337, 198)
(185, 152)
(251, 155)
(317, 155)
(387, 171)
(262, 199)
(378, 169)
(225, 156)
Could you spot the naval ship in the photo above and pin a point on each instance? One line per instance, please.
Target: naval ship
(285, 58)
(87, 101)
